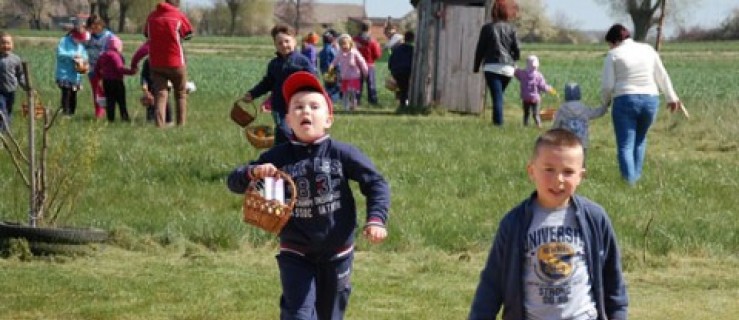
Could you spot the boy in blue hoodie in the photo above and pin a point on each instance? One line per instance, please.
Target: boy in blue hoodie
(288, 60)
(317, 243)
(555, 255)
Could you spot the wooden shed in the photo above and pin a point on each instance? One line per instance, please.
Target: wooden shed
(446, 37)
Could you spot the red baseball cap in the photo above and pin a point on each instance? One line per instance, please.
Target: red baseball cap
(304, 81)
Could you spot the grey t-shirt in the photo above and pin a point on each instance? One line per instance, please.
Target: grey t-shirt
(556, 280)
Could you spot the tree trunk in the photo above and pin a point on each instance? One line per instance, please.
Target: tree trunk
(642, 14)
(123, 10)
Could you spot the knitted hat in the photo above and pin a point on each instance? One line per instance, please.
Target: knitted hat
(572, 92)
(532, 62)
(114, 43)
(305, 81)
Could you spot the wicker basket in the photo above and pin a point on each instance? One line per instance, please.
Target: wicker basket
(39, 111)
(242, 117)
(260, 136)
(391, 84)
(268, 215)
(547, 114)
(330, 76)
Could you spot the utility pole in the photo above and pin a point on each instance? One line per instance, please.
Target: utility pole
(660, 25)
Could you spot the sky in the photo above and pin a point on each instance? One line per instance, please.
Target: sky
(585, 14)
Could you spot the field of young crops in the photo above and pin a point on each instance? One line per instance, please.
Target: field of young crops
(452, 175)
(179, 249)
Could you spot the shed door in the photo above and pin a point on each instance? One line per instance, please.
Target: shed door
(457, 87)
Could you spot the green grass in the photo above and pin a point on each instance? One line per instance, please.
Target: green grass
(180, 251)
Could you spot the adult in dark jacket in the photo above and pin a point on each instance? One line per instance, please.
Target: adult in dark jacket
(399, 63)
(497, 52)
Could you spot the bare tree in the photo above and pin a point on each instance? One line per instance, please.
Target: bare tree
(295, 12)
(102, 7)
(233, 7)
(123, 6)
(34, 8)
(644, 13)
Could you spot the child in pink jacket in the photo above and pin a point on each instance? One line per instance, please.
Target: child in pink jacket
(352, 68)
(111, 68)
(532, 86)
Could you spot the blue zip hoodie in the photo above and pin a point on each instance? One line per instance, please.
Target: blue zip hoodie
(65, 53)
(325, 215)
(501, 281)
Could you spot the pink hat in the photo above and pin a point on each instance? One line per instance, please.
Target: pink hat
(114, 43)
(304, 81)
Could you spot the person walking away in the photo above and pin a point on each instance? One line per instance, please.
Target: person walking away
(325, 57)
(633, 76)
(533, 85)
(497, 52)
(166, 28)
(352, 67)
(111, 69)
(70, 53)
(11, 77)
(555, 255)
(574, 116)
(287, 61)
(371, 52)
(316, 254)
(400, 63)
(95, 46)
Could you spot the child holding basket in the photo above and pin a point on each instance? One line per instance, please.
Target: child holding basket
(317, 243)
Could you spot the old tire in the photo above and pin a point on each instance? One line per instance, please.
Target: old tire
(51, 235)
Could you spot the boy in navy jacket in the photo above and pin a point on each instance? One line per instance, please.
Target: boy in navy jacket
(555, 255)
(317, 243)
(287, 61)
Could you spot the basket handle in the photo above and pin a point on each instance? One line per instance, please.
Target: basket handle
(241, 116)
(293, 189)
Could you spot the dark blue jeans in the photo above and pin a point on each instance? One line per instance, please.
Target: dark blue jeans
(497, 84)
(314, 288)
(632, 115)
(7, 99)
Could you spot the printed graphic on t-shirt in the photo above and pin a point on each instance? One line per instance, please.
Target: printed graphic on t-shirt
(316, 181)
(554, 253)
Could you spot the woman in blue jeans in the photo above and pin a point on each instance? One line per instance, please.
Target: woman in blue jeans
(633, 76)
(498, 48)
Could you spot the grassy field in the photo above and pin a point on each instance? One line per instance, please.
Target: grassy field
(179, 250)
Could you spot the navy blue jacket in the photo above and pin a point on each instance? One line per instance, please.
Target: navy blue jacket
(501, 281)
(278, 69)
(401, 59)
(325, 216)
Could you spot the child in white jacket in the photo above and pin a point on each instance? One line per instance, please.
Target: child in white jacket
(575, 116)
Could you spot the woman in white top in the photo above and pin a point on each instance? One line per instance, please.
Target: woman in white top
(633, 76)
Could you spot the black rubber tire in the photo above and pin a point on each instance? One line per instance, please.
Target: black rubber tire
(66, 235)
(45, 248)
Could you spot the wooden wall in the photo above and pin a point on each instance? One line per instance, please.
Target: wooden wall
(446, 37)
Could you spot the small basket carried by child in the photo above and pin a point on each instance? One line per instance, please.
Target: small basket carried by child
(262, 210)
(259, 136)
(39, 110)
(547, 114)
(330, 76)
(391, 84)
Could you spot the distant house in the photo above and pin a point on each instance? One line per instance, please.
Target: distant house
(339, 16)
(317, 16)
